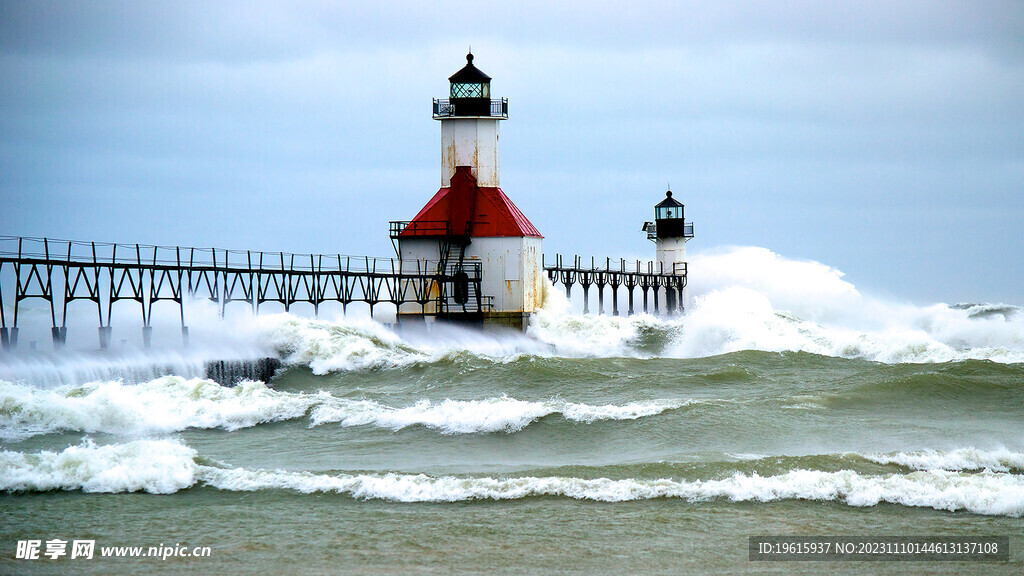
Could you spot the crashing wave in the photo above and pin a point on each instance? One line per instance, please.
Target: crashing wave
(171, 404)
(168, 466)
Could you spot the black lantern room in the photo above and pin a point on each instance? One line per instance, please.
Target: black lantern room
(470, 96)
(669, 219)
(470, 82)
(471, 91)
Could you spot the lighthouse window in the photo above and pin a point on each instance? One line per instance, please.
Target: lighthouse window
(668, 212)
(473, 90)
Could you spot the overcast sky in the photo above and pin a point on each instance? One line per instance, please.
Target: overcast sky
(885, 138)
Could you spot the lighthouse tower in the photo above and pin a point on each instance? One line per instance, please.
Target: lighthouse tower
(470, 231)
(469, 126)
(670, 232)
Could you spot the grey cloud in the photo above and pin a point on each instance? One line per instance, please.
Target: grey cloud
(824, 130)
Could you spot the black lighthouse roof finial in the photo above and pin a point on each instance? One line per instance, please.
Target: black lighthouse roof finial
(469, 73)
(669, 201)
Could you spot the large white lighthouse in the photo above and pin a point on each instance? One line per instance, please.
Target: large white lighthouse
(670, 231)
(470, 226)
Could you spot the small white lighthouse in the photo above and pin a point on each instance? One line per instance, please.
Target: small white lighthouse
(470, 226)
(670, 232)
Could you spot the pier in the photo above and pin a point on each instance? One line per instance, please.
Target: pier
(61, 272)
(650, 277)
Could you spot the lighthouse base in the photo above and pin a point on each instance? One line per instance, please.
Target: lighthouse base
(518, 321)
(514, 320)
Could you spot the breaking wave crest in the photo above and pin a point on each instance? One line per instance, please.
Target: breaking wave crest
(154, 466)
(1001, 460)
(501, 414)
(986, 493)
(167, 404)
(168, 466)
(171, 403)
(346, 344)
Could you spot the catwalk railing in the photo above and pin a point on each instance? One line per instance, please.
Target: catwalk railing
(61, 271)
(649, 277)
(471, 107)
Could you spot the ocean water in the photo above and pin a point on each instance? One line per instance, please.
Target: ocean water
(780, 404)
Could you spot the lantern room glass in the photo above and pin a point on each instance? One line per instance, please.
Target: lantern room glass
(470, 90)
(668, 212)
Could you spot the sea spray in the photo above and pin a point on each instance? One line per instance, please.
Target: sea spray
(751, 298)
(741, 299)
(720, 321)
(52, 369)
(746, 299)
(596, 335)
(807, 289)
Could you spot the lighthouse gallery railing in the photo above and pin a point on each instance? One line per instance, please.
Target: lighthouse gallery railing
(445, 108)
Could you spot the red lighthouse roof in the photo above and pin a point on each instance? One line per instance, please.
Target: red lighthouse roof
(465, 209)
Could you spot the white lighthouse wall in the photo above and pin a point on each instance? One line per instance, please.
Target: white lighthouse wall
(411, 250)
(470, 142)
(512, 271)
(670, 252)
(418, 254)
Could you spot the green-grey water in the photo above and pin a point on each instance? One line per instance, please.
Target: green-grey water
(524, 459)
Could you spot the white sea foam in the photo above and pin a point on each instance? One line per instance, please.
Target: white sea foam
(981, 493)
(166, 404)
(999, 460)
(155, 466)
(166, 466)
(171, 403)
(502, 414)
(344, 344)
